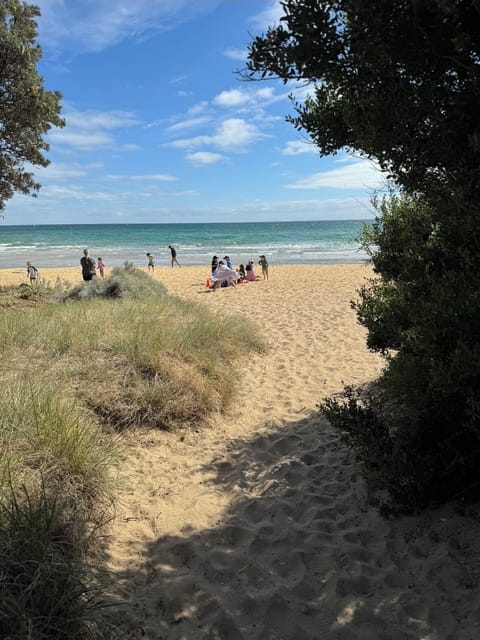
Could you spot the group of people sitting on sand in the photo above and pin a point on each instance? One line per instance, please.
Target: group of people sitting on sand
(224, 275)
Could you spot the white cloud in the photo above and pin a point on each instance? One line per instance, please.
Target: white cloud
(298, 147)
(269, 17)
(233, 134)
(179, 79)
(236, 54)
(155, 177)
(158, 177)
(59, 171)
(94, 25)
(100, 119)
(82, 140)
(363, 174)
(180, 194)
(237, 98)
(203, 158)
(86, 130)
(198, 108)
(236, 133)
(232, 98)
(190, 143)
(188, 124)
(76, 193)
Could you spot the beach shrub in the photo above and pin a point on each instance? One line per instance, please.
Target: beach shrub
(401, 106)
(423, 319)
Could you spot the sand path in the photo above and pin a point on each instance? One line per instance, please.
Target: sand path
(259, 526)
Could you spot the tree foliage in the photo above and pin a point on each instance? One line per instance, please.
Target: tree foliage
(27, 109)
(398, 81)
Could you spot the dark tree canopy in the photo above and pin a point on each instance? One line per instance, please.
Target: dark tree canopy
(399, 81)
(27, 109)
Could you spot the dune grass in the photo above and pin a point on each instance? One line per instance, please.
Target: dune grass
(77, 366)
(56, 493)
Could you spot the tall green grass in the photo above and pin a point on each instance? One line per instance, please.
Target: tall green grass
(75, 362)
(154, 362)
(55, 494)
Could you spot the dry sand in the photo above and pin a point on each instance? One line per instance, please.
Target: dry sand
(259, 527)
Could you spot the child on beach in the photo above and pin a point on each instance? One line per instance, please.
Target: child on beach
(101, 267)
(32, 273)
(250, 272)
(264, 264)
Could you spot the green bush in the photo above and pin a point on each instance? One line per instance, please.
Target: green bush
(423, 314)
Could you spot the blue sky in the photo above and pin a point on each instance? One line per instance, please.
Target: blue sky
(161, 128)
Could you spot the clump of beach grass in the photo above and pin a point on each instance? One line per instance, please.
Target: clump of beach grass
(153, 360)
(112, 355)
(123, 282)
(56, 493)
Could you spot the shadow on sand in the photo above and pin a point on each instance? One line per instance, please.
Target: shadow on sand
(300, 554)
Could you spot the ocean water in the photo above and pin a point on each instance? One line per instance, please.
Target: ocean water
(317, 242)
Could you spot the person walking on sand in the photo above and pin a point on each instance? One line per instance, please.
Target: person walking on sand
(263, 262)
(101, 267)
(32, 273)
(88, 266)
(151, 263)
(174, 256)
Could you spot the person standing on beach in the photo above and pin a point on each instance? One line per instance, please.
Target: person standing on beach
(174, 256)
(151, 263)
(263, 262)
(101, 267)
(32, 273)
(88, 266)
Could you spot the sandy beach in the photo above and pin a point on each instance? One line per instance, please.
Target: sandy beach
(258, 525)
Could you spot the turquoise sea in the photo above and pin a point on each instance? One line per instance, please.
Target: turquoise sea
(318, 242)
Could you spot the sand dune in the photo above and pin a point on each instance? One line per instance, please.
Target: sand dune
(259, 525)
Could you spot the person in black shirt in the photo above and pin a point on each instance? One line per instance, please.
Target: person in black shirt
(174, 256)
(214, 264)
(88, 266)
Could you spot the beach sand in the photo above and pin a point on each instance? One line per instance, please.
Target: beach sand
(258, 526)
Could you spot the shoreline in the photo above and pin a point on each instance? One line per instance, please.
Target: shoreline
(164, 262)
(17, 276)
